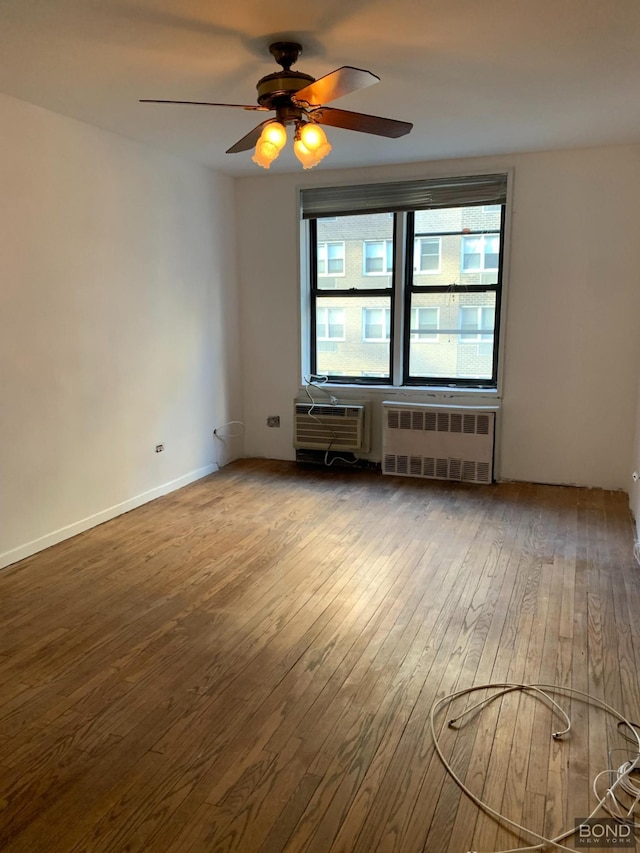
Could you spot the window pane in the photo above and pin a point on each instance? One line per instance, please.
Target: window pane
(462, 257)
(473, 218)
(463, 345)
(355, 252)
(364, 347)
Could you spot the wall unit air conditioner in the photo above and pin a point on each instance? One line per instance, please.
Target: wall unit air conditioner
(320, 426)
(438, 442)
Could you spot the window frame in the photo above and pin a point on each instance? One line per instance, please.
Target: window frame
(410, 288)
(318, 294)
(356, 201)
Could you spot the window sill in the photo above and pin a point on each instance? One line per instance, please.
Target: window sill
(430, 392)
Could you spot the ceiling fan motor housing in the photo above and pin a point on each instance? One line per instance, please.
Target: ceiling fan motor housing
(281, 85)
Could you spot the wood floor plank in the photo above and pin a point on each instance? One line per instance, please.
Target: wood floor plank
(248, 664)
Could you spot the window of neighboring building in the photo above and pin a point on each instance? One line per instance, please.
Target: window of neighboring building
(481, 253)
(330, 324)
(378, 257)
(376, 324)
(426, 254)
(421, 262)
(476, 323)
(331, 258)
(424, 324)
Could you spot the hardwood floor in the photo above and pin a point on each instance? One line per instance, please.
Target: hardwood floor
(248, 664)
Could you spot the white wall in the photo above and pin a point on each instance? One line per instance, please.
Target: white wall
(572, 351)
(635, 487)
(118, 325)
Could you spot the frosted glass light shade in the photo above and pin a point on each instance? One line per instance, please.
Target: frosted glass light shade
(265, 153)
(312, 146)
(270, 143)
(275, 133)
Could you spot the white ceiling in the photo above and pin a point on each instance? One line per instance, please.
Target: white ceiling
(475, 76)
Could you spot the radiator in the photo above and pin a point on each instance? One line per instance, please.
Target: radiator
(438, 443)
(325, 427)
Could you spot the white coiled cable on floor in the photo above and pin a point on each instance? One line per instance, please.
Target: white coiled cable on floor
(609, 802)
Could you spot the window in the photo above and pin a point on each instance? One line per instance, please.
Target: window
(426, 255)
(376, 324)
(331, 259)
(378, 257)
(476, 323)
(330, 324)
(419, 299)
(480, 254)
(424, 324)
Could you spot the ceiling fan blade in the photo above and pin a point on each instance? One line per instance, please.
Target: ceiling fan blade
(340, 82)
(361, 122)
(249, 140)
(203, 104)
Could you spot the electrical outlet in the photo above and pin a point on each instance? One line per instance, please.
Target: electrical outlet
(635, 477)
(273, 421)
(159, 448)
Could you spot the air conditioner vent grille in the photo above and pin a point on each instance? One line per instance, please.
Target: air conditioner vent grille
(325, 427)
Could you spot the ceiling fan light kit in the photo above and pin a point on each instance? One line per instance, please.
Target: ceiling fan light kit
(299, 100)
(310, 145)
(270, 144)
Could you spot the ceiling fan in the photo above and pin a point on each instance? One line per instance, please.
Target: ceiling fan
(300, 100)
